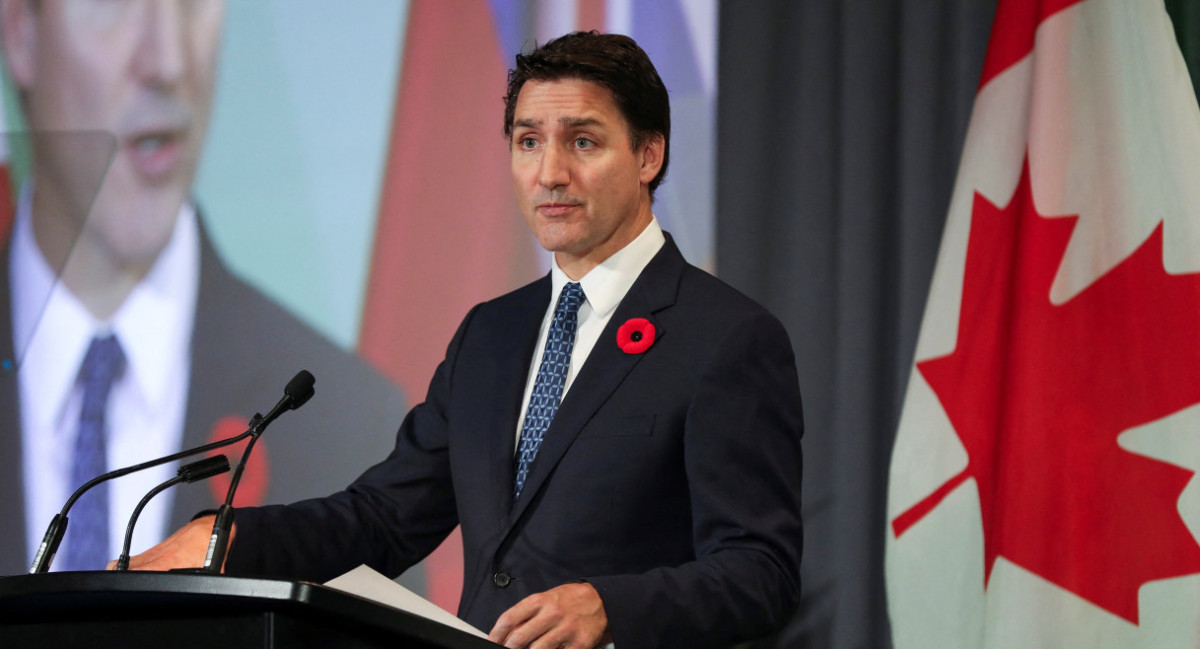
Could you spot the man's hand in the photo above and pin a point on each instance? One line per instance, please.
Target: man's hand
(186, 548)
(570, 616)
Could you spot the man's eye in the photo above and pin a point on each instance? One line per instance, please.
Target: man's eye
(528, 143)
(584, 143)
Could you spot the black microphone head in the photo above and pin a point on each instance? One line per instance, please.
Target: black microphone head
(206, 468)
(300, 388)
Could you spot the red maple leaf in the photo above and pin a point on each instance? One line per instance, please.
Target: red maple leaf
(1039, 393)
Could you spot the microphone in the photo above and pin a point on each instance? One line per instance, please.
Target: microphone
(298, 391)
(194, 472)
(295, 394)
(58, 525)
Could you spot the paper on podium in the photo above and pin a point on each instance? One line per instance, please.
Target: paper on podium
(369, 584)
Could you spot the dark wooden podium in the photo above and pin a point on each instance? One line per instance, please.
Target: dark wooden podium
(131, 610)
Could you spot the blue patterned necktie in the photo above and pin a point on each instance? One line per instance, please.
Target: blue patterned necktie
(87, 546)
(551, 377)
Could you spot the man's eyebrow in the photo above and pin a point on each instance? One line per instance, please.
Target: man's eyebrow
(567, 122)
(577, 122)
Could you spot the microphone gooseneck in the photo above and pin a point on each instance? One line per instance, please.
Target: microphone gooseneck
(58, 525)
(298, 391)
(193, 472)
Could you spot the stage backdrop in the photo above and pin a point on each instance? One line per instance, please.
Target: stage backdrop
(356, 173)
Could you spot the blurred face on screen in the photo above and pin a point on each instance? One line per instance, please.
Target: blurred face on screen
(581, 185)
(141, 70)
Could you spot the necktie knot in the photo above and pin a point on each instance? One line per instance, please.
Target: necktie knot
(571, 298)
(103, 362)
(102, 365)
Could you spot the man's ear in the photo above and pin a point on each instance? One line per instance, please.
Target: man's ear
(18, 37)
(652, 157)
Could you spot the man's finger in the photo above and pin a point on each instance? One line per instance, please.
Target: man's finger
(513, 618)
(532, 631)
(571, 615)
(557, 638)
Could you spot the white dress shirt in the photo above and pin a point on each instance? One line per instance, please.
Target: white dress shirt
(603, 287)
(52, 330)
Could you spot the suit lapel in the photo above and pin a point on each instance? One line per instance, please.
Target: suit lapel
(605, 368)
(514, 348)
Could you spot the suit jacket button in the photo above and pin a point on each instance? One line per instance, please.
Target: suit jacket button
(501, 579)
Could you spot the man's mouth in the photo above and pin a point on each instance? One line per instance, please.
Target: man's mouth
(153, 142)
(155, 155)
(555, 209)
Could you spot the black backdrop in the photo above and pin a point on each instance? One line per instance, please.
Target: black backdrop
(839, 129)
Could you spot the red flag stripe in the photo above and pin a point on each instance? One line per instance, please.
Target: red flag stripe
(449, 234)
(1013, 31)
(591, 15)
(7, 204)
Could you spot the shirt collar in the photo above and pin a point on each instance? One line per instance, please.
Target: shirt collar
(52, 328)
(606, 284)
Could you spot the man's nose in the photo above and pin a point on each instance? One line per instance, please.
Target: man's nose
(161, 55)
(554, 170)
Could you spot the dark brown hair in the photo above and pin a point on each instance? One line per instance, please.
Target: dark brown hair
(609, 60)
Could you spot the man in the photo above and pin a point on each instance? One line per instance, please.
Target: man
(182, 351)
(656, 505)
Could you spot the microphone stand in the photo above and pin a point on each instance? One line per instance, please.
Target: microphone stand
(58, 525)
(298, 391)
(194, 472)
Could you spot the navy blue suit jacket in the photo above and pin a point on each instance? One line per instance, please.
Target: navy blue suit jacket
(670, 479)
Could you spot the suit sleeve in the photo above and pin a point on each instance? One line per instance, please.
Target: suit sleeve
(389, 518)
(743, 462)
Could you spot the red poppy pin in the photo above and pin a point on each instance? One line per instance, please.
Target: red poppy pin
(635, 336)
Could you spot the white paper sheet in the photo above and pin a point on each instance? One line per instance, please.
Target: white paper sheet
(369, 584)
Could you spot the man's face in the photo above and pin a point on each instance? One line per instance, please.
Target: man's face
(139, 69)
(581, 186)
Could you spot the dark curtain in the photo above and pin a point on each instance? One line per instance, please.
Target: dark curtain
(839, 131)
(1185, 15)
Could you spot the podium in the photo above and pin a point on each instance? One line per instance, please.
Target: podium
(131, 610)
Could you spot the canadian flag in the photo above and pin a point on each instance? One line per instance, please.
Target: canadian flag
(1042, 489)
(7, 192)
